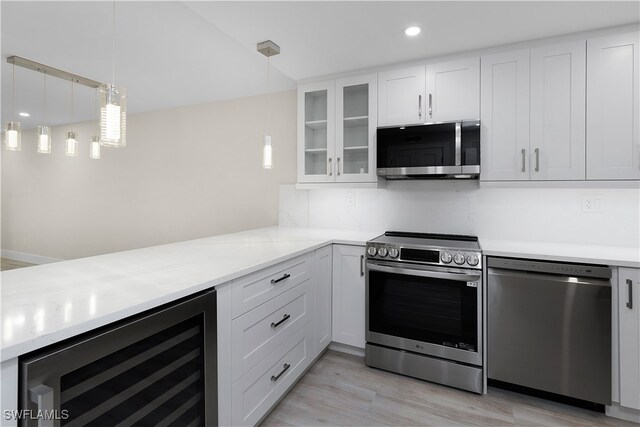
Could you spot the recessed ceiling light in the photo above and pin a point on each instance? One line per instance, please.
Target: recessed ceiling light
(412, 31)
(24, 114)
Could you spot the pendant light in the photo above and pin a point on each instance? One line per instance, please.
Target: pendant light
(268, 49)
(113, 105)
(44, 132)
(71, 142)
(94, 144)
(12, 130)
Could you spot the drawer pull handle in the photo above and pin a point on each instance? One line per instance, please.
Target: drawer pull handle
(284, 319)
(630, 300)
(275, 378)
(274, 281)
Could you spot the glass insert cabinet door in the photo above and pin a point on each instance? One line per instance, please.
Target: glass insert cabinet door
(316, 129)
(356, 121)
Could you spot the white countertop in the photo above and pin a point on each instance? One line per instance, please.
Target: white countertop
(48, 303)
(588, 254)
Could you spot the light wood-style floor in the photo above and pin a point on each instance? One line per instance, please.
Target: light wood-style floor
(340, 391)
(10, 264)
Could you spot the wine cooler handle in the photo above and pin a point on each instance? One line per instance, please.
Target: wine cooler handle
(42, 396)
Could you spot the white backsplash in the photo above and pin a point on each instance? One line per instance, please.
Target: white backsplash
(462, 207)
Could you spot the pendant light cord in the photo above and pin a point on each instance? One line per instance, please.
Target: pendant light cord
(13, 91)
(113, 62)
(72, 101)
(44, 97)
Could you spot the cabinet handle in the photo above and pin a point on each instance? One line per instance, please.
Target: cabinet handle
(537, 150)
(338, 166)
(274, 281)
(284, 319)
(430, 106)
(361, 265)
(285, 367)
(523, 159)
(420, 106)
(630, 296)
(329, 171)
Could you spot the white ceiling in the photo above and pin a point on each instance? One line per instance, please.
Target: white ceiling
(172, 53)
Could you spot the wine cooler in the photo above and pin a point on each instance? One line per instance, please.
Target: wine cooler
(154, 369)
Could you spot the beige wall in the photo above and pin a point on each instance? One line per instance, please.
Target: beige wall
(185, 173)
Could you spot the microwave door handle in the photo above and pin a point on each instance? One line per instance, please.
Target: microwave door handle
(424, 273)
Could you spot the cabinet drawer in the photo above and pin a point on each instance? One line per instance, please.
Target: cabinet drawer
(263, 285)
(259, 332)
(255, 393)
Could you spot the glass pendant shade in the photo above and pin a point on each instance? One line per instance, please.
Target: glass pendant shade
(12, 136)
(94, 148)
(267, 154)
(113, 115)
(44, 139)
(71, 145)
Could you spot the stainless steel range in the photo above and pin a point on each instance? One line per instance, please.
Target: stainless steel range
(424, 307)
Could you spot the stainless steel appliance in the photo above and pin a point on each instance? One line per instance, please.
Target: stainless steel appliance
(423, 307)
(443, 150)
(156, 368)
(549, 327)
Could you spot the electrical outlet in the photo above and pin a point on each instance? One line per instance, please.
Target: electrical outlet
(592, 204)
(351, 199)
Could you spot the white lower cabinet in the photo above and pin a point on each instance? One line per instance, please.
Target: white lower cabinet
(324, 262)
(255, 393)
(629, 334)
(272, 324)
(349, 295)
(259, 332)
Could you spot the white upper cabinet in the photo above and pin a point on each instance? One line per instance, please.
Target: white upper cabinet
(557, 132)
(337, 130)
(401, 97)
(613, 87)
(316, 132)
(504, 132)
(453, 90)
(356, 119)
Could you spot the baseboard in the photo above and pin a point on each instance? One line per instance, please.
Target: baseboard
(345, 348)
(30, 258)
(617, 411)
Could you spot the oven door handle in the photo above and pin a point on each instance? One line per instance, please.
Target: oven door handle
(425, 273)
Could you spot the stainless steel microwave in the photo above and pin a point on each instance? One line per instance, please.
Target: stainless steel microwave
(443, 150)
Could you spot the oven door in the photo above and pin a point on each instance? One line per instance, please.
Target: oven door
(429, 310)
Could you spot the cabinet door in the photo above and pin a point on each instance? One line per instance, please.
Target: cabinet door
(356, 119)
(453, 90)
(504, 131)
(629, 323)
(557, 137)
(324, 259)
(401, 97)
(348, 295)
(316, 130)
(613, 67)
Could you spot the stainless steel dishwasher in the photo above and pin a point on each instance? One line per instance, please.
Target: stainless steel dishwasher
(549, 327)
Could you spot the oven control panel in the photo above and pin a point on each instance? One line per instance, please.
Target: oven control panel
(432, 256)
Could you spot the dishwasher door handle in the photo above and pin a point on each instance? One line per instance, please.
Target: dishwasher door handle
(560, 279)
